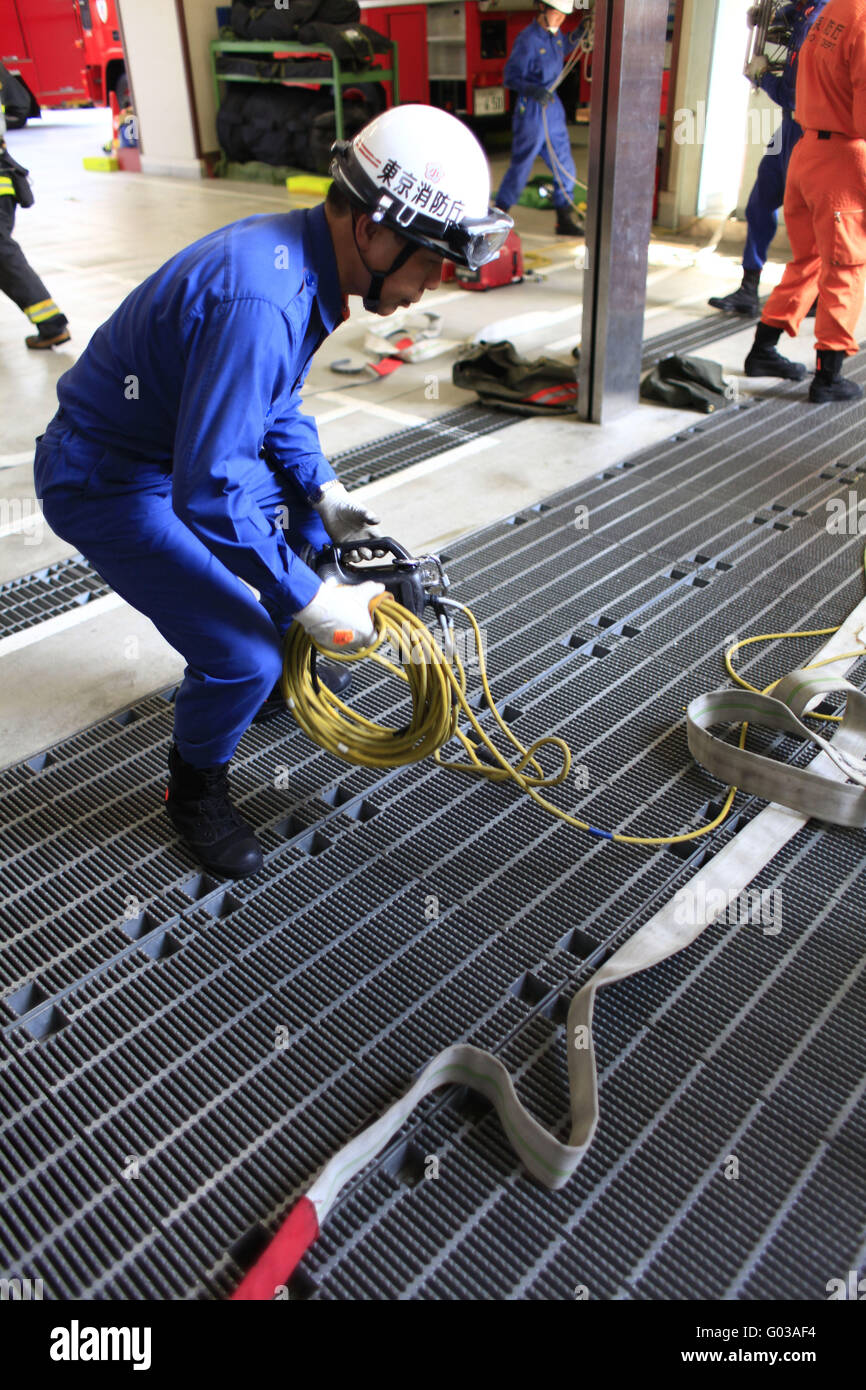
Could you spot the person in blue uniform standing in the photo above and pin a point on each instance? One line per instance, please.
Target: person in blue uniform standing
(768, 191)
(180, 463)
(533, 65)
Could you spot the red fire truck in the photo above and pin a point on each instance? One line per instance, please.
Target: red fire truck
(63, 52)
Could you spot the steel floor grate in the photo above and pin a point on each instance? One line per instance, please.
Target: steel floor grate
(688, 337)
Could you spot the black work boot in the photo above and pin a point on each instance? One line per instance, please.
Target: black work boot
(764, 360)
(828, 384)
(336, 678)
(51, 333)
(197, 800)
(569, 223)
(743, 300)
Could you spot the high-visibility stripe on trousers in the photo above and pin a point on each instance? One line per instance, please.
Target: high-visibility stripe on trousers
(825, 217)
(45, 309)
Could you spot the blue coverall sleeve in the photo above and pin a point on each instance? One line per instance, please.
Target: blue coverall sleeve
(514, 75)
(238, 360)
(778, 89)
(293, 441)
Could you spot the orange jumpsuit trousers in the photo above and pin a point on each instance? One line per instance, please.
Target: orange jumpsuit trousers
(825, 217)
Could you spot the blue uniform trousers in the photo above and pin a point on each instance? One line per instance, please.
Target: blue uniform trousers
(528, 142)
(767, 196)
(135, 540)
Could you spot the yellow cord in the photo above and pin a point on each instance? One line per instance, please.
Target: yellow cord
(438, 688)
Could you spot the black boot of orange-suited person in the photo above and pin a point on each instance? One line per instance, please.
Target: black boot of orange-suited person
(764, 358)
(828, 383)
(197, 801)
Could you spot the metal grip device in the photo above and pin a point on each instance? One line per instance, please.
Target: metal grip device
(771, 31)
(414, 581)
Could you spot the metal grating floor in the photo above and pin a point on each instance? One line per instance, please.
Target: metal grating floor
(154, 1131)
(688, 337)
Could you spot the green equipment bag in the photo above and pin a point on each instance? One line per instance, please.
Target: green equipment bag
(538, 193)
(504, 379)
(688, 383)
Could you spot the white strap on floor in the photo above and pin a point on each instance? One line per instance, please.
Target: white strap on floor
(709, 892)
(800, 788)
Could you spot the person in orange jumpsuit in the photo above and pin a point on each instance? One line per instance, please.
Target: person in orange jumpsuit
(825, 208)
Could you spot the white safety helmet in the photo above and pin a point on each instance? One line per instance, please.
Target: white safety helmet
(564, 6)
(421, 172)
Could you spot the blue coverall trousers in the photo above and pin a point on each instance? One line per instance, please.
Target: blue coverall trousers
(528, 142)
(767, 196)
(134, 539)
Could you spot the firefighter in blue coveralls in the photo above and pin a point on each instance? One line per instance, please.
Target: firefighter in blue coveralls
(533, 65)
(179, 447)
(768, 192)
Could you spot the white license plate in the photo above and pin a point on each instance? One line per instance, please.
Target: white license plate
(489, 101)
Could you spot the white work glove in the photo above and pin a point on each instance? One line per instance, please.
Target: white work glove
(345, 520)
(753, 16)
(338, 617)
(755, 69)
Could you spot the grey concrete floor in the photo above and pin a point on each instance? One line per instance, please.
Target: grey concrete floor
(94, 237)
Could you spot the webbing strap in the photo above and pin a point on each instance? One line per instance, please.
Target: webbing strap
(802, 789)
(671, 929)
(820, 793)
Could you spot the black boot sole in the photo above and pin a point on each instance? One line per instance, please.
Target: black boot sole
(824, 393)
(745, 311)
(271, 709)
(793, 371)
(248, 859)
(243, 867)
(337, 679)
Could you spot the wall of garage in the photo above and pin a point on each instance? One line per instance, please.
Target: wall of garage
(155, 62)
(721, 124)
(201, 28)
(719, 131)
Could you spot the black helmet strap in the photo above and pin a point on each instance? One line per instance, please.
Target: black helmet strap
(378, 277)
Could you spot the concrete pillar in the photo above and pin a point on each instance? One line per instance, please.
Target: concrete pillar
(628, 60)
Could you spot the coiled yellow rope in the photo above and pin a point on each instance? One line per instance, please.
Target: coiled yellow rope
(438, 688)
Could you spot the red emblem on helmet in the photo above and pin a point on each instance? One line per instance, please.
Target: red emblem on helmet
(433, 173)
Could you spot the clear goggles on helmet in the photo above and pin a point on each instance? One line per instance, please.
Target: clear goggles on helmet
(480, 240)
(473, 241)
